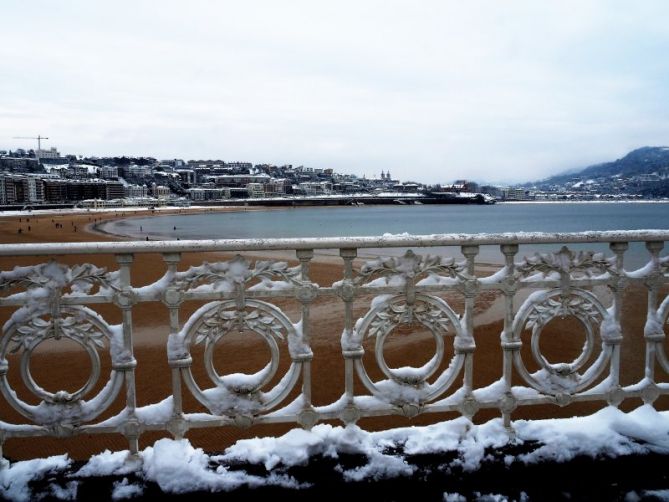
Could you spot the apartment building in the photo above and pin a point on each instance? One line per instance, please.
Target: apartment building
(256, 190)
(21, 190)
(135, 191)
(108, 172)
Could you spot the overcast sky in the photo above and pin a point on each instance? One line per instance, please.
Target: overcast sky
(432, 91)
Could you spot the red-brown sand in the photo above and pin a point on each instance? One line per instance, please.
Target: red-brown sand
(68, 369)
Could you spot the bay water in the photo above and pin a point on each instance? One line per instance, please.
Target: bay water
(413, 219)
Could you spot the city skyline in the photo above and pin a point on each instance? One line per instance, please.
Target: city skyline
(432, 93)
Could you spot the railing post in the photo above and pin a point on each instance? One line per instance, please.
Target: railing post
(469, 407)
(653, 332)
(617, 286)
(348, 296)
(4, 463)
(306, 295)
(172, 299)
(125, 300)
(509, 346)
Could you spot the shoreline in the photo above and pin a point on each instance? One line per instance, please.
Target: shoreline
(10, 213)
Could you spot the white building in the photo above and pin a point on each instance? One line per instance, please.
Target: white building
(51, 153)
(78, 170)
(161, 192)
(135, 191)
(256, 190)
(139, 171)
(315, 187)
(108, 172)
(275, 187)
(200, 194)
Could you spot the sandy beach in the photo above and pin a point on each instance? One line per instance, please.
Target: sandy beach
(66, 369)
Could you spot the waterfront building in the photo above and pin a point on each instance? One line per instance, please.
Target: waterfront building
(255, 190)
(275, 187)
(55, 191)
(511, 193)
(202, 194)
(160, 191)
(240, 180)
(135, 191)
(114, 190)
(315, 188)
(21, 189)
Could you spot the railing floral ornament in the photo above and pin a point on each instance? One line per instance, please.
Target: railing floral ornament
(230, 275)
(410, 292)
(567, 263)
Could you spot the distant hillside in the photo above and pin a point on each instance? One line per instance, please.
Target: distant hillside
(645, 160)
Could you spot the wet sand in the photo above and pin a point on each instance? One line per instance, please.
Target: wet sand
(67, 369)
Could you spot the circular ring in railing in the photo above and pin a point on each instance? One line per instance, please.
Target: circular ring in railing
(60, 396)
(213, 322)
(536, 313)
(409, 385)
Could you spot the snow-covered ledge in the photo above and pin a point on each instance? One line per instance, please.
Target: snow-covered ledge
(53, 301)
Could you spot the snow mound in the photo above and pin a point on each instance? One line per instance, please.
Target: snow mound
(178, 467)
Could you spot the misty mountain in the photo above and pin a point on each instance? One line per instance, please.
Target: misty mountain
(645, 160)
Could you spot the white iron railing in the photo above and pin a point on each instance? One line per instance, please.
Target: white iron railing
(55, 301)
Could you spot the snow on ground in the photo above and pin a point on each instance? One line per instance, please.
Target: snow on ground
(177, 467)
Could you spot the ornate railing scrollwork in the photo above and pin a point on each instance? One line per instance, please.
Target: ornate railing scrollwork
(226, 276)
(54, 279)
(568, 263)
(396, 269)
(411, 294)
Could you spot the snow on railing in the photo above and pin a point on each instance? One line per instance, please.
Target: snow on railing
(54, 301)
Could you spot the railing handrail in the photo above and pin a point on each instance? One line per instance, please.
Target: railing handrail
(389, 240)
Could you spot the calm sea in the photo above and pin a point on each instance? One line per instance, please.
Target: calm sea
(418, 219)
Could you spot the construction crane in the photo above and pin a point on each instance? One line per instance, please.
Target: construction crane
(39, 139)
